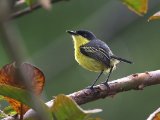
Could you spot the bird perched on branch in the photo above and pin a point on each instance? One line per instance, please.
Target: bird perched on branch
(94, 54)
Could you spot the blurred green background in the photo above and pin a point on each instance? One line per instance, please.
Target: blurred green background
(130, 36)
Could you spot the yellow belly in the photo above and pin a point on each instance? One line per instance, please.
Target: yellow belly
(89, 63)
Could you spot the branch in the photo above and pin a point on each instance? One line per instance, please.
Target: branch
(29, 9)
(132, 82)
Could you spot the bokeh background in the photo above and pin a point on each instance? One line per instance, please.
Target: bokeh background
(130, 36)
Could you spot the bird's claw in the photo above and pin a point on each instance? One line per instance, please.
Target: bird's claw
(106, 84)
(90, 87)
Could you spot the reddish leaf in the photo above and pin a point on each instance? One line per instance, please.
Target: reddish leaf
(9, 75)
(17, 106)
(157, 117)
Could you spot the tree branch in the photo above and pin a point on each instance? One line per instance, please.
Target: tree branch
(132, 82)
(29, 9)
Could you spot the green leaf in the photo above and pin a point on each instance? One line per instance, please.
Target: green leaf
(29, 2)
(64, 108)
(156, 16)
(138, 6)
(2, 98)
(24, 97)
(15, 93)
(2, 115)
(9, 111)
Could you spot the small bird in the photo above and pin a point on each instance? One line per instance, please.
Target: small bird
(94, 54)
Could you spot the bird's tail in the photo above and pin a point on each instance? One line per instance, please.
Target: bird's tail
(121, 59)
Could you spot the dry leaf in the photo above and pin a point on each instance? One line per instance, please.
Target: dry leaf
(9, 76)
(155, 115)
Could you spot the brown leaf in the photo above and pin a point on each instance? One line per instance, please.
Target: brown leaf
(155, 115)
(17, 106)
(9, 75)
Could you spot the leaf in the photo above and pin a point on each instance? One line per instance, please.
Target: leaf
(156, 16)
(138, 6)
(29, 2)
(24, 97)
(9, 76)
(15, 93)
(2, 115)
(2, 98)
(9, 111)
(155, 115)
(64, 108)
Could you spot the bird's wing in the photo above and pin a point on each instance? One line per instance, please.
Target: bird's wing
(97, 51)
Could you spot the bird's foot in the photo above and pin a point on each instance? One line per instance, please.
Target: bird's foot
(90, 87)
(106, 84)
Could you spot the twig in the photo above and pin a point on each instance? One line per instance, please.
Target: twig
(28, 9)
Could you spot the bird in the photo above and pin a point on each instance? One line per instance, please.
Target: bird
(93, 54)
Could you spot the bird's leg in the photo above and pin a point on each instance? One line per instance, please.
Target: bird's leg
(91, 87)
(106, 82)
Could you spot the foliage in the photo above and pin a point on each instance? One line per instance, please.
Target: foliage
(9, 75)
(9, 111)
(18, 94)
(138, 6)
(64, 108)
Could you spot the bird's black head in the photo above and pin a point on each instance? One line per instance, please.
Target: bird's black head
(84, 33)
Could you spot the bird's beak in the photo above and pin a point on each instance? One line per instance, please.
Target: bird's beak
(71, 32)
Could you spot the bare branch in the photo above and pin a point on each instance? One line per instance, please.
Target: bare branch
(28, 10)
(132, 82)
